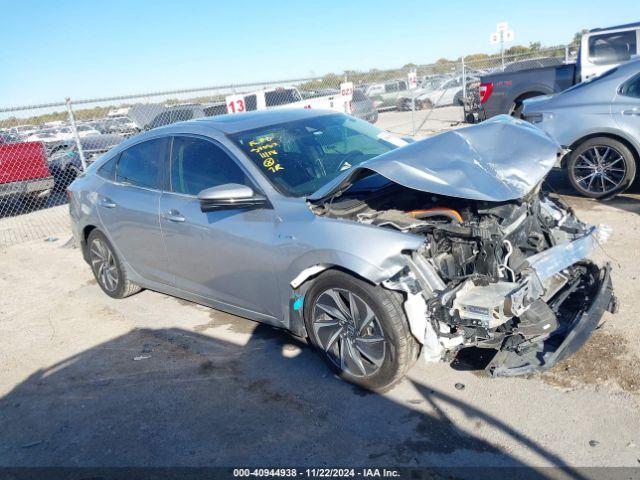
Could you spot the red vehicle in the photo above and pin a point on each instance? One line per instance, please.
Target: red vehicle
(23, 170)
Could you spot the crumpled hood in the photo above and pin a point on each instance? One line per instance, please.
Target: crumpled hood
(497, 160)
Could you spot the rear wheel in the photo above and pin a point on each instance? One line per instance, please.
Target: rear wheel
(601, 167)
(425, 104)
(107, 268)
(360, 330)
(458, 99)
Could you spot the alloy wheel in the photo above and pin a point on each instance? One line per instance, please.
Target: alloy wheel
(600, 169)
(349, 332)
(104, 265)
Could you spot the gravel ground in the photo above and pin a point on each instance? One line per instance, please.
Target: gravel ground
(86, 380)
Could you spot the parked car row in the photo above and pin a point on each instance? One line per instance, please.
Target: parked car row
(437, 91)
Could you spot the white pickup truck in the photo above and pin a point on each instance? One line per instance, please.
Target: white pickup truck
(600, 50)
(289, 97)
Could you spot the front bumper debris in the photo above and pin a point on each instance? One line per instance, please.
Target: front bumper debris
(544, 355)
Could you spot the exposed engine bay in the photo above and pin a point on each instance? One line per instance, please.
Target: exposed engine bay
(510, 276)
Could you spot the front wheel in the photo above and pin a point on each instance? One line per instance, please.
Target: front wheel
(360, 330)
(601, 167)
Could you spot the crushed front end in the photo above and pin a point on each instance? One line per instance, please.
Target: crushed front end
(503, 265)
(511, 276)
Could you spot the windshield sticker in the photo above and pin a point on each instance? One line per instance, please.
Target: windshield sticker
(265, 149)
(391, 138)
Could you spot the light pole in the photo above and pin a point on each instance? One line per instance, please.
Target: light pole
(501, 35)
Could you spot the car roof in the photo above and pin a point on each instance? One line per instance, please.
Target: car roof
(624, 69)
(239, 122)
(616, 27)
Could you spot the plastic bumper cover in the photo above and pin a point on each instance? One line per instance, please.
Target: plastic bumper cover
(511, 363)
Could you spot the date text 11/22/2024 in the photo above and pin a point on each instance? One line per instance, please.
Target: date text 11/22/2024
(317, 472)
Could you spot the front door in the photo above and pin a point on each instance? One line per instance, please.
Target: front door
(224, 255)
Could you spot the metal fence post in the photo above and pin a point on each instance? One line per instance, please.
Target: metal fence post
(72, 120)
(464, 80)
(413, 111)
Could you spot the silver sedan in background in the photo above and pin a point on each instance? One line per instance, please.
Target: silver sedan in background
(599, 121)
(376, 250)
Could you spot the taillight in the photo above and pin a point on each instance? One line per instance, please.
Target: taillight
(485, 91)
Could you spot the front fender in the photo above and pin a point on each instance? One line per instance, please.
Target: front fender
(371, 253)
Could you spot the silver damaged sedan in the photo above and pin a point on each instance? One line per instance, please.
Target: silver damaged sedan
(377, 250)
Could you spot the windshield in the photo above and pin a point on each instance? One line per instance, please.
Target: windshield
(299, 157)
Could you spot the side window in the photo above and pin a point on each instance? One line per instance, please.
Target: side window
(631, 88)
(108, 169)
(141, 165)
(197, 164)
(610, 48)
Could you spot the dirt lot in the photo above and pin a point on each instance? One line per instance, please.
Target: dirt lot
(151, 380)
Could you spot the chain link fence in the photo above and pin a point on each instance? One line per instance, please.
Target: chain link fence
(44, 147)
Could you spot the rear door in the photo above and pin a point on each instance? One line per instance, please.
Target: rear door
(625, 107)
(128, 206)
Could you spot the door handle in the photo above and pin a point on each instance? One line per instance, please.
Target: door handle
(174, 216)
(633, 111)
(106, 202)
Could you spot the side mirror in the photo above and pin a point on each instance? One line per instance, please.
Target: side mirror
(229, 196)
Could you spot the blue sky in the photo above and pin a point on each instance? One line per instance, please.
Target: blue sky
(50, 49)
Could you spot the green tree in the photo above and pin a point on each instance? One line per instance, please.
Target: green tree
(577, 37)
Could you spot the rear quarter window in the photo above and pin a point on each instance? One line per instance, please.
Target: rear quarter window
(631, 88)
(108, 169)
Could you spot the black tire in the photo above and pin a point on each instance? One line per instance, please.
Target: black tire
(123, 287)
(518, 105)
(458, 99)
(403, 104)
(516, 110)
(400, 347)
(425, 104)
(616, 182)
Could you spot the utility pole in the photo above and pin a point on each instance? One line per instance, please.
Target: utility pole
(501, 35)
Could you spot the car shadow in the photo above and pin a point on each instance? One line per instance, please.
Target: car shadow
(172, 397)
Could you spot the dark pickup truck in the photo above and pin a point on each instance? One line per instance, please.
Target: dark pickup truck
(600, 49)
